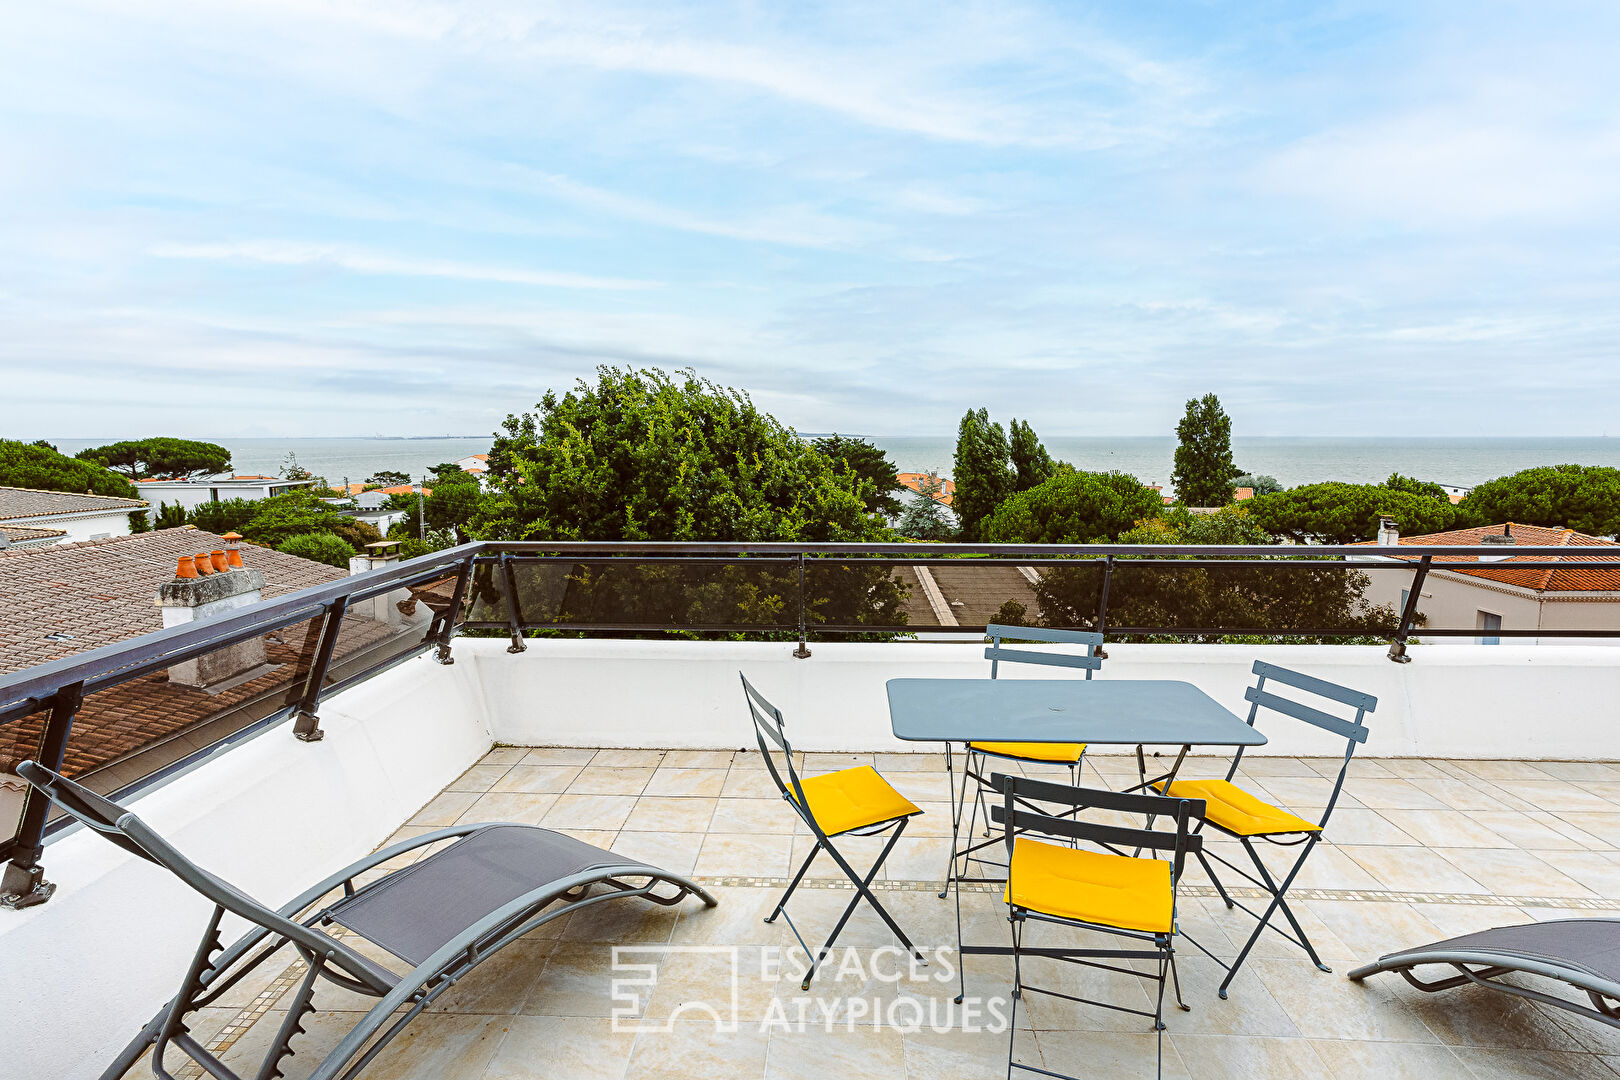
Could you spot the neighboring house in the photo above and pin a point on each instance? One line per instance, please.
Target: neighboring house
(477, 464)
(191, 494)
(32, 518)
(1455, 492)
(914, 481)
(1509, 592)
(67, 599)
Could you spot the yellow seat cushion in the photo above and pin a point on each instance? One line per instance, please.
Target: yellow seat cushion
(1091, 886)
(1236, 811)
(852, 798)
(1062, 753)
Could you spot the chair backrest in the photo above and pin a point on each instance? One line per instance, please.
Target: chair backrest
(770, 731)
(135, 836)
(1015, 816)
(1353, 731)
(997, 652)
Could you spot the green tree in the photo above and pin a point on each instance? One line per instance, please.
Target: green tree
(643, 455)
(1414, 486)
(1251, 600)
(27, 465)
(179, 459)
(224, 515)
(984, 474)
(1585, 498)
(448, 472)
(875, 475)
(170, 515)
(291, 470)
(1074, 507)
(1260, 485)
(1335, 513)
(321, 547)
(1032, 465)
(299, 511)
(923, 517)
(1204, 469)
(388, 478)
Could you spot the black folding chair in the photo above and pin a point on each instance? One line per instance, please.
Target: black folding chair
(442, 915)
(1124, 896)
(849, 802)
(1241, 816)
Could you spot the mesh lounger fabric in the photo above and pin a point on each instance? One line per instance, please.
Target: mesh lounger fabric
(422, 907)
(1586, 945)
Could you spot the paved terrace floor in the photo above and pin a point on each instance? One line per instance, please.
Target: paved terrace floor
(1418, 850)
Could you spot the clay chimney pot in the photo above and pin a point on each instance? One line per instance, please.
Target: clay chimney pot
(186, 569)
(218, 559)
(205, 566)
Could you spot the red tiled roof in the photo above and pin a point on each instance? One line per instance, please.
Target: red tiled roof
(1539, 572)
(914, 481)
(21, 534)
(403, 489)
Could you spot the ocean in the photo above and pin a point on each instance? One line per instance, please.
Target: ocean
(1292, 460)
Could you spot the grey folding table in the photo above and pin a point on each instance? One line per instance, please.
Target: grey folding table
(1121, 712)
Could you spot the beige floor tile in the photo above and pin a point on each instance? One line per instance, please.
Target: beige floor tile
(520, 806)
(918, 858)
(696, 1050)
(1361, 1060)
(602, 838)
(1372, 929)
(1354, 825)
(1471, 1016)
(1447, 828)
(1265, 765)
(559, 755)
(1248, 1010)
(655, 813)
(744, 982)
(610, 780)
(1605, 789)
(1579, 770)
(1530, 1065)
(964, 1055)
(697, 759)
(627, 921)
(478, 778)
(1470, 794)
(930, 763)
(1575, 838)
(743, 783)
(537, 778)
(445, 808)
(503, 755)
(596, 812)
(816, 1054)
(1454, 920)
(672, 851)
(935, 820)
(1597, 871)
(561, 1048)
(1557, 796)
(1329, 1006)
(1605, 827)
(700, 782)
(1222, 1057)
(921, 786)
(579, 979)
(1414, 869)
(1122, 1054)
(772, 816)
(1510, 872)
(1394, 794)
(431, 1045)
(1413, 768)
(738, 919)
(1503, 770)
(815, 763)
(1544, 831)
(631, 759)
(733, 854)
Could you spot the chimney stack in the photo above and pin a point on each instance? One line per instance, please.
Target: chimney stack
(1389, 533)
(1504, 540)
(206, 586)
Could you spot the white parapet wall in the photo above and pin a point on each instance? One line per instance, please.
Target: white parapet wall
(81, 974)
(1464, 701)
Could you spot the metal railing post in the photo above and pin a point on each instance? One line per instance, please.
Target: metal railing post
(23, 884)
(1397, 648)
(445, 629)
(307, 726)
(514, 618)
(1102, 602)
(803, 651)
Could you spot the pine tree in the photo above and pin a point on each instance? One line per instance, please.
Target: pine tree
(1032, 465)
(984, 475)
(1204, 468)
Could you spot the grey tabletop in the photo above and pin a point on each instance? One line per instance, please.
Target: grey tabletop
(1124, 711)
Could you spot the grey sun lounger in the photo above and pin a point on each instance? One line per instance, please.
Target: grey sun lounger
(440, 915)
(1582, 953)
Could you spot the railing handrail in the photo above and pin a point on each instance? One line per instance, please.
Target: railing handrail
(925, 549)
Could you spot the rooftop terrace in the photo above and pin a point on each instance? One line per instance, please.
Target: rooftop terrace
(1488, 794)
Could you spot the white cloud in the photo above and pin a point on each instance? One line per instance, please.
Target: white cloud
(286, 253)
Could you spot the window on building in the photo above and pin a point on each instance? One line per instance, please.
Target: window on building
(1491, 625)
(1405, 593)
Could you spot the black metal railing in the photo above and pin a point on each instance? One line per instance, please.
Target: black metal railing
(786, 591)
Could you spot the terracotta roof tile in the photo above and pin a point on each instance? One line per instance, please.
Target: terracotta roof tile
(1539, 572)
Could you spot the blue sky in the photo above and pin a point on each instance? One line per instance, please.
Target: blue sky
(405, 218)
